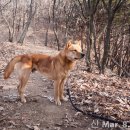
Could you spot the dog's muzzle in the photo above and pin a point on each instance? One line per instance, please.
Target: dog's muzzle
(82, 55)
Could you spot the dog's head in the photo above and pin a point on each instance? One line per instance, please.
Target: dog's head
(73, 50)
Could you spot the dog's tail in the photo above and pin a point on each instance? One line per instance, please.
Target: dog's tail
(10, 67)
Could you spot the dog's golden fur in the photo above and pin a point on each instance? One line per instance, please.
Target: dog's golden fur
(55, 68)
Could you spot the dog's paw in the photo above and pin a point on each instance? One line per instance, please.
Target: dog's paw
(58, 102)
(23, 100)
(64, 99)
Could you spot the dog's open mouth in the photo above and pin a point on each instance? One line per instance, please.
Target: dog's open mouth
(76, 58)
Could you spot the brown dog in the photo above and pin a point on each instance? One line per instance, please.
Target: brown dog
(55, 68)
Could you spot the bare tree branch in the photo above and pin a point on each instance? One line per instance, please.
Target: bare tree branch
(105, 5)
(5, 5)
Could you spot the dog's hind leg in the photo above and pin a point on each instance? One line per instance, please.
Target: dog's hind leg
(23, 80)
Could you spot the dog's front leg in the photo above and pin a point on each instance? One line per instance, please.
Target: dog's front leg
(57, 92)
(61, 89)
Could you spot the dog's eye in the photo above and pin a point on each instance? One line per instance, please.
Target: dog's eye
(75, 50)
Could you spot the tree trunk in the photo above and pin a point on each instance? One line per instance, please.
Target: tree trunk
(106, 44)
(46, 37)
(88, 52)
(31, 15)
(23, 34)
(55, 25)
(49, 21)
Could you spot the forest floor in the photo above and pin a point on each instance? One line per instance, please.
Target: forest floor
(107, 94)
(40, 111)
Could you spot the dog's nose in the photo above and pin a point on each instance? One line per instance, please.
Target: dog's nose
(82, 55)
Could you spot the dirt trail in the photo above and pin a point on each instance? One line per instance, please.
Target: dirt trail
(40, 110)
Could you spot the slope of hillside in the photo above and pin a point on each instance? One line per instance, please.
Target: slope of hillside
(107, 94)
(40, 110)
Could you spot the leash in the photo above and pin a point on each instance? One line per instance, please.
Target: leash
(95, 115)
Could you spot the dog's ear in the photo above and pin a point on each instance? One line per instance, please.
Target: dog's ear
(79, 42)
(68, 44)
